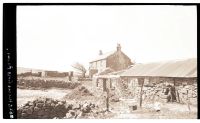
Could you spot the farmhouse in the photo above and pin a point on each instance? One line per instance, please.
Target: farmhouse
(115, 60)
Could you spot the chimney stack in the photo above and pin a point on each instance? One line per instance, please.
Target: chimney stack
(100, 52)
(118, 47)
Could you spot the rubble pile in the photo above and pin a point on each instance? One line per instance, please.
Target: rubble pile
(77, 93)
(47, 108)
(113, 96)
(82, 111)
(43, 108)
(40, 83)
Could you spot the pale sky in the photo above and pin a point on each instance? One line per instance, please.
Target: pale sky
(54, 37)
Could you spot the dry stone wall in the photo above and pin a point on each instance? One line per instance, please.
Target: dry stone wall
(40, 83)
(184, 93)
(157, 93)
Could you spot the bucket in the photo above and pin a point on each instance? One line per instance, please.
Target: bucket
(133, 107)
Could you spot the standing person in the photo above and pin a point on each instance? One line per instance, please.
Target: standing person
(168, 92)
(173, 93)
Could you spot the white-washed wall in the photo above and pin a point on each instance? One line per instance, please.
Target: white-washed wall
(99, 65)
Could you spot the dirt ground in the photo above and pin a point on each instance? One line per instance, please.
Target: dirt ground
(24, 95)
(118, 110)
(167, 111)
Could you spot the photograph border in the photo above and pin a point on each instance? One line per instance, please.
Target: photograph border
(10, 48)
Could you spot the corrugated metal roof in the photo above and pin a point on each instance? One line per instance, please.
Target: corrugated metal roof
(176, 68)
(103, 56)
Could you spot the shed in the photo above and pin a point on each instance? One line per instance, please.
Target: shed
(176, 72)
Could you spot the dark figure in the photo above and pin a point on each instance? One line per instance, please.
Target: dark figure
(166, 91)
(173, 94)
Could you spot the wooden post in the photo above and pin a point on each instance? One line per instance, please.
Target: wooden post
(188, 101)
(97, 82)
(107, 99)
(141, 91)
(70, 77)
(104, 84)
(172, 91)
(177, 93)
(110, 83)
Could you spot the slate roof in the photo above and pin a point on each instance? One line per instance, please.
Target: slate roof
(103, 56)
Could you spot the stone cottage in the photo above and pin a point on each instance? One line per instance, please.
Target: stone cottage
(115, 60)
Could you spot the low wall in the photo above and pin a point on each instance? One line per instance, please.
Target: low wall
(156, 93)
(40, 83)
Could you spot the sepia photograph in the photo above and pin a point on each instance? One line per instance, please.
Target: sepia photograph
(106, 61)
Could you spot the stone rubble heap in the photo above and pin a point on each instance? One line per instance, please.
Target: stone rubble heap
(79, 92)
(47, 108)
(43, 108)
